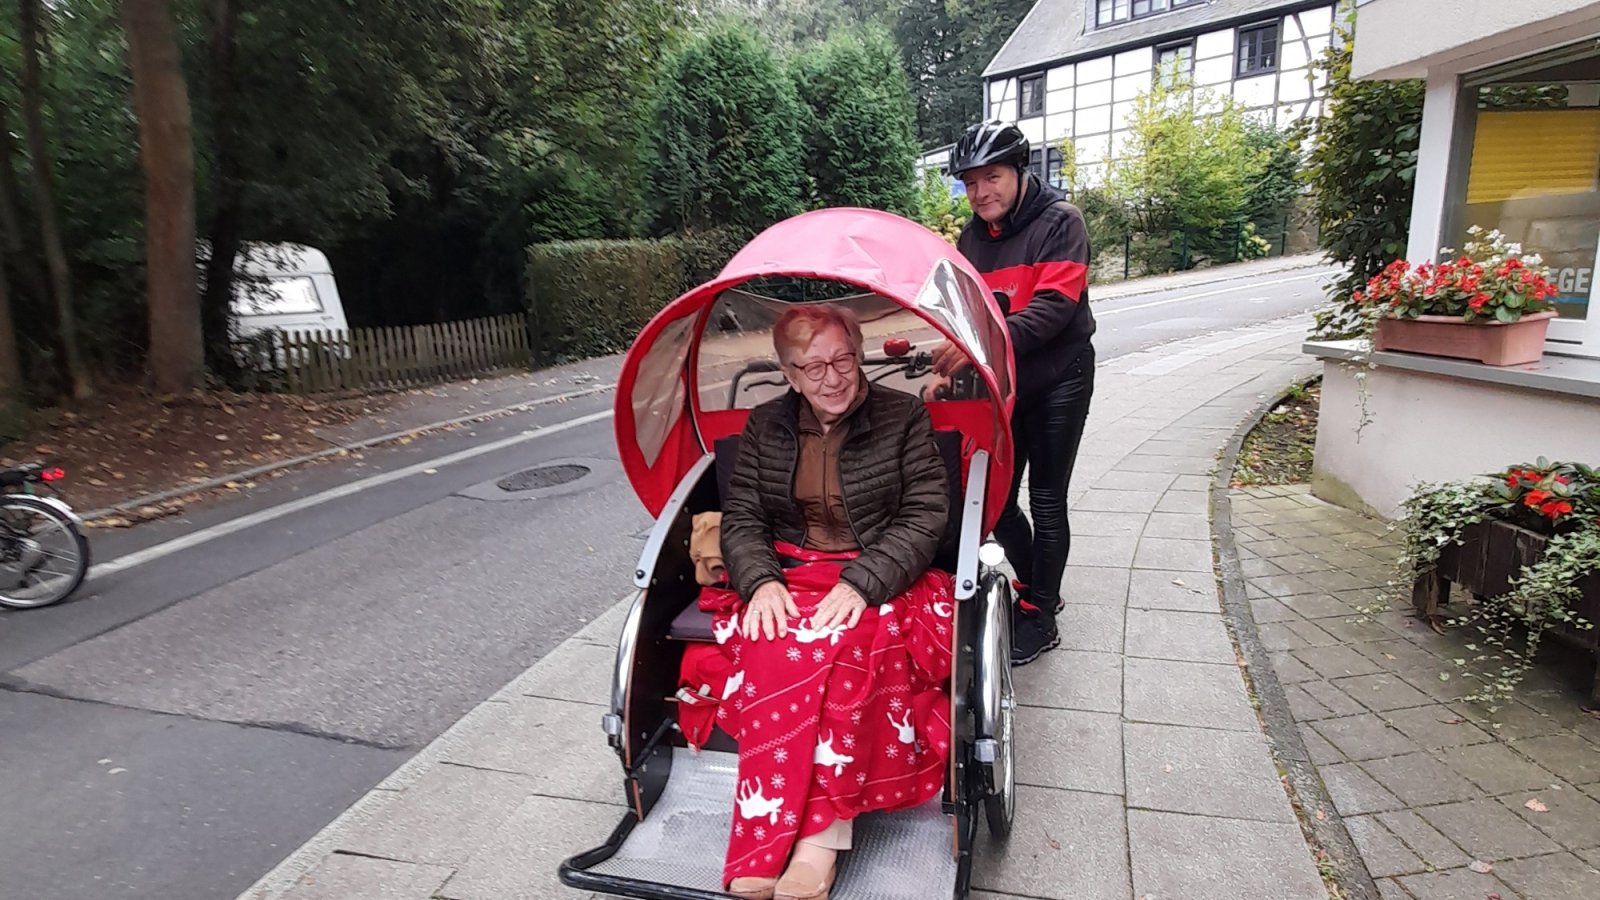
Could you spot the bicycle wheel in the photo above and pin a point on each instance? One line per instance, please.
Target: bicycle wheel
(44, 557)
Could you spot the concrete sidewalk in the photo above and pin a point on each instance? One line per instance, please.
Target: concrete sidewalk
(1143, 768)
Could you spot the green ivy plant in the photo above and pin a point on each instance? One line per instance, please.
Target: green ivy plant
(1558, 499)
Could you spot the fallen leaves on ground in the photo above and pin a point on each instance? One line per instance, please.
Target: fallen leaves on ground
(1536, 805)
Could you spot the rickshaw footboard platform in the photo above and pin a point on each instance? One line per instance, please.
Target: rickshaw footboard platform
(681, 844)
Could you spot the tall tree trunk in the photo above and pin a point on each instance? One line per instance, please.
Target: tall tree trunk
(22, 263)
(166, 150)
(224, 230)
(10, 356)
(44, 197)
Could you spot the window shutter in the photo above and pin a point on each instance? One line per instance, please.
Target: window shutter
(1535, 152)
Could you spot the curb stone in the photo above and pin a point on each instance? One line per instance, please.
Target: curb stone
(1313, 807)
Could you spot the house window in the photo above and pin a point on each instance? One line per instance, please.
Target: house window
(1046, 166)
(1111, 12)
(1030, 96)
(1175, 63)
(1258, 50)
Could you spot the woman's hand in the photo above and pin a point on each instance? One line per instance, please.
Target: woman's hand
(841, 606)
(768, 612)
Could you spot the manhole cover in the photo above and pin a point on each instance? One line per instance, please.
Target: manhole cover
(541, 477)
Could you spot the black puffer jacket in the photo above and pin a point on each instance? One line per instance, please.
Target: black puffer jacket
(893, 481)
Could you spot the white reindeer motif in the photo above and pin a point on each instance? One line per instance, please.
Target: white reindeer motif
(908, 732)
(942, 610)
(805, 634)
(725, 632)
(825, 755)
(753, 806)
(735, 682)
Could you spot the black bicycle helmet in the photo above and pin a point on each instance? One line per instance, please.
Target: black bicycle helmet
(990, 144)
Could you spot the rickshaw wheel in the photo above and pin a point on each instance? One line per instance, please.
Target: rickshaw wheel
(996, 705)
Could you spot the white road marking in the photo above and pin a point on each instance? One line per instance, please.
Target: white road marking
(428, 466)
(1103, 313)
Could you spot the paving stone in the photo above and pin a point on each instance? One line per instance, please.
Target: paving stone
(1191, 483)
(1092, 741)
(1179, 856)
(444, 817)
(1258, 567)
(1436, 726)
(576, 671)
(1101, 500)
(1442, 681)
(1186, 693)
(1382, 852)
(1094, 628)
(1095, 585)
(1351, 630)
(1592, 857)
(1278, 636)
(1365, 737)
(1270, 549)
(1269, 611)
(1285, 585)
(1072, 679)
(1423, 839)
(1318, 606)
(1107, 524)
(533, 731)
(519, 861)
(1318, 749)
(1116, 480)
(1299, 563)
(1356, 793)
(1333, 699)
(1161, 589)
(1567, 755)
(1313, 633)
(1419, 779)
(1065, 845)
(1571, 817)
(1165, 634)
(1305, 707)
(1335, 581)
(1182, 526)
(1203, 771)
(1382, 692)
(1389, 889)
(1090, 550)
(1512, 721)
(1197, 502)
(1455, 884)
(1486, 830)
(1496, 769)
(1171, 554)
(1336, 661)
(1398, 655)
(1291, 670)
(1560, 875)
(344, 877)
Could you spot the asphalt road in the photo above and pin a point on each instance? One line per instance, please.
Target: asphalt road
(204, 707)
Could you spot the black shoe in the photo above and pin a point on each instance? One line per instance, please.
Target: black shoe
(1033, 631)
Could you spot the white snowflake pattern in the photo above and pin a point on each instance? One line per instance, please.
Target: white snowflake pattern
(756, 724)
(856, 652)
(793, 654)
(769, 857)
(818, 655)
(722, 712)
(781, 755)
(817, 818)
(849, 685)
(891, 751)
(749, 689)
(861, 778)
(942, 630)
(879, 798)
(790, 819)
(897, 704)
(928, 786)
(849, 741)
(778, 781)
(893, 628)
(822, 779)
(738, 829)
(855, 717)
(760, 833)
(899, 795)
(899, 666)
(775, 716)
(739, 705)
(794, 707)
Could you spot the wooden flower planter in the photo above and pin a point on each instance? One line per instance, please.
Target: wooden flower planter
(1489, 556)
(1491, 343)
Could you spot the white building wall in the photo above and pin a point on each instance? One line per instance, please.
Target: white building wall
(1089, 102)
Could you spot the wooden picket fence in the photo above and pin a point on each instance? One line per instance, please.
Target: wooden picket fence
(370, 359)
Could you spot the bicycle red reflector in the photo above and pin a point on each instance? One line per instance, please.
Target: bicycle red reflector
(55, 474)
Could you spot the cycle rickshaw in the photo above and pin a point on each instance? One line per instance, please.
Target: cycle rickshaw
(686, 388)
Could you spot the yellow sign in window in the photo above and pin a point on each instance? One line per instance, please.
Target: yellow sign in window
(1534, 152)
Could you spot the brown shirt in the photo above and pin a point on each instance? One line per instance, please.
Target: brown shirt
(816, 480)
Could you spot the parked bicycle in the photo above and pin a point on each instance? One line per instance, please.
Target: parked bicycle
(44, 555)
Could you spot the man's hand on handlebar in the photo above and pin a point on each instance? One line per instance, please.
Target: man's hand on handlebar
(937, 388)
(949, 359)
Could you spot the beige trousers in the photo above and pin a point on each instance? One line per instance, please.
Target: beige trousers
(835, 836)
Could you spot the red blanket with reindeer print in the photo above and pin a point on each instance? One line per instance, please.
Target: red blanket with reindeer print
(831, 723)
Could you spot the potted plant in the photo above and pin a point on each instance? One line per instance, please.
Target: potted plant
(1490, 304)
(1526, 544)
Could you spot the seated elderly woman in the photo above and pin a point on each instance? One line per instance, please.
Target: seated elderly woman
(835, 632)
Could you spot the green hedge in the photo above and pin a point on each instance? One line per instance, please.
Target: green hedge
(590, 298)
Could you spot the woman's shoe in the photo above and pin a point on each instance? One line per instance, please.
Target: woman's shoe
(803, 882)
(753, 888)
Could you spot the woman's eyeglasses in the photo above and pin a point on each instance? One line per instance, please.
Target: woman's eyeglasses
(816, 371)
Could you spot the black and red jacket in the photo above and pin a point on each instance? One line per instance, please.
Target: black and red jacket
(1039, 258)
